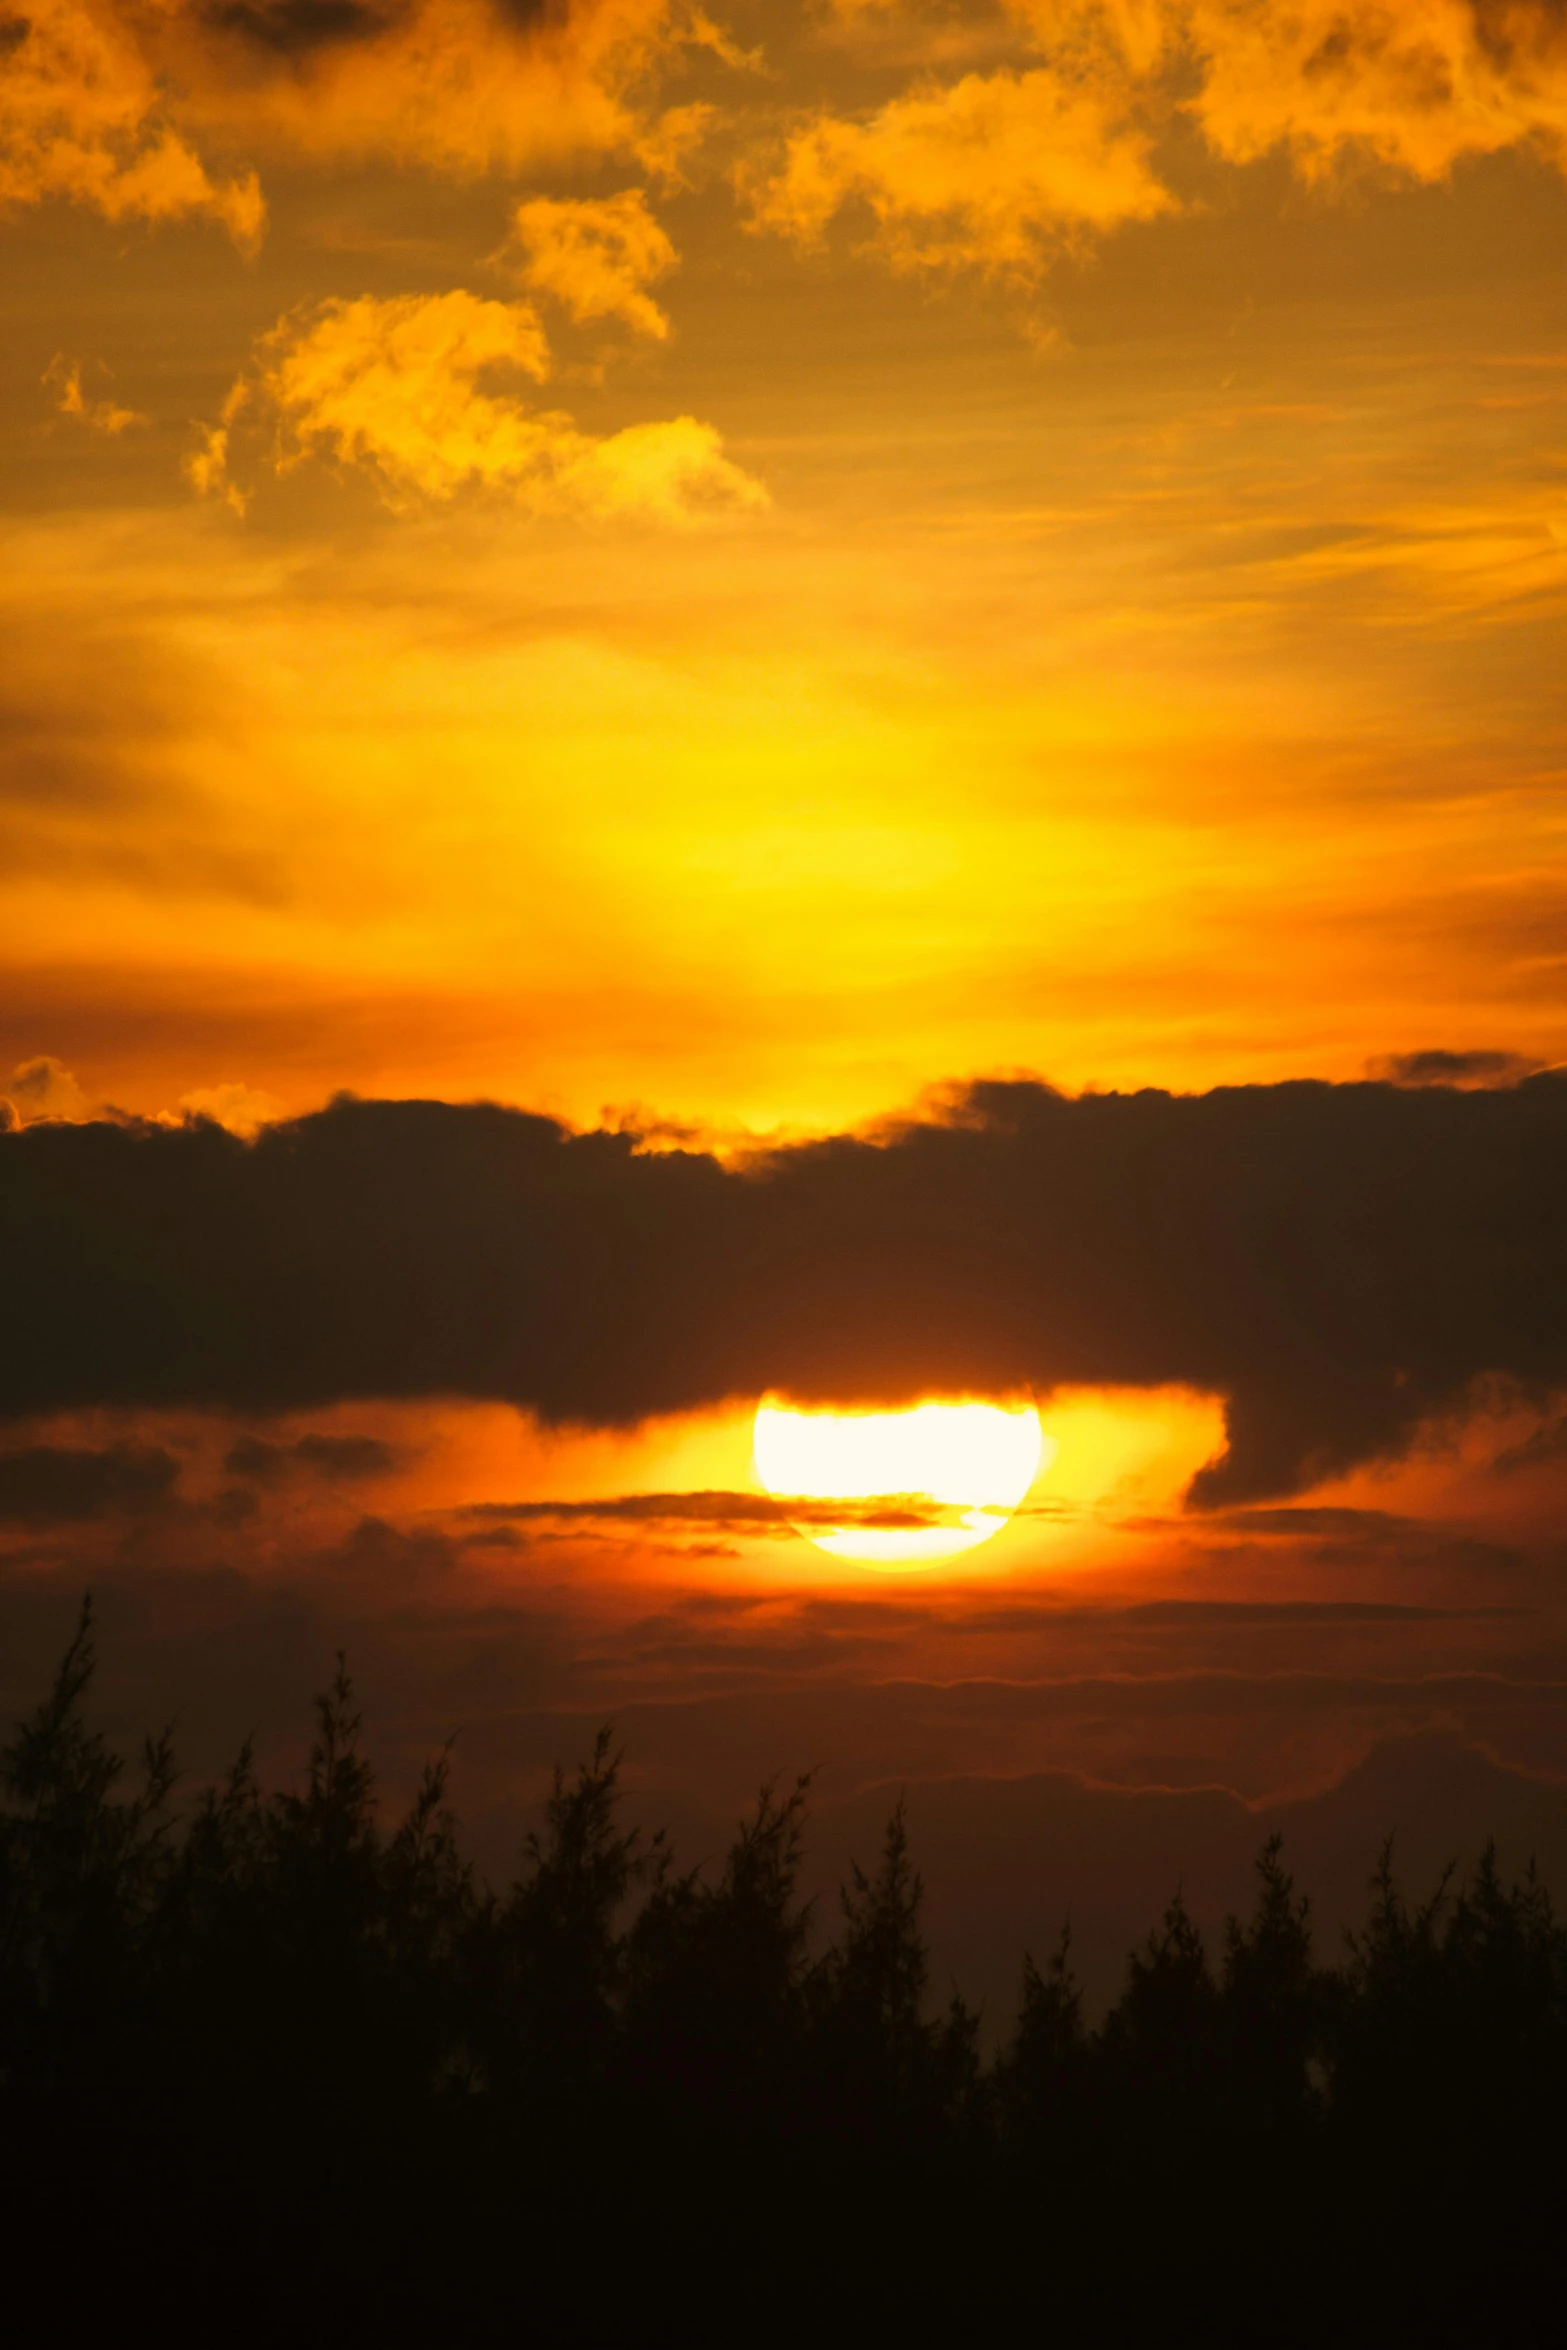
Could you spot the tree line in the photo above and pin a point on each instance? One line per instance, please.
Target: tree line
(264, 2054)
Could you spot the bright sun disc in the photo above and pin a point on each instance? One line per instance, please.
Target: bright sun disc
(900, 1489)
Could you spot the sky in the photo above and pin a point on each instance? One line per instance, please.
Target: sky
(984, 582)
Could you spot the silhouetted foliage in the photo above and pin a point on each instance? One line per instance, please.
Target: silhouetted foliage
(265, 2048)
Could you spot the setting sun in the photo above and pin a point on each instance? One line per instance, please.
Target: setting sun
(914, 1487)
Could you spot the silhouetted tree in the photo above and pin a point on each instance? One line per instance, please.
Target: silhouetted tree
(373, 2088)
(1041, 2074)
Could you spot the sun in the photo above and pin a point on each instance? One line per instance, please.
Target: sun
(900, 1489)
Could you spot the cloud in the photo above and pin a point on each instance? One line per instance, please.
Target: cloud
(113, 103)
(44, 1088)
(1434, 1066)
(394, 387)
(1339, 1262)
(385, 1563)
(252, 1457)
(1545, 1449)
(48, 1485)
(995, 171)
(1413, 85)
(457, 86)
(243, 1109)
(64, 379)
(596, 256)
(1000, 171)
(83, 116)
(729, 1509)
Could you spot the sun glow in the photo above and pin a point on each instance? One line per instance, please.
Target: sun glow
(901, 1489)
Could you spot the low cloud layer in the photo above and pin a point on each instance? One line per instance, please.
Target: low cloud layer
(265, 1463)
(62, 1485)
(1341, 1263)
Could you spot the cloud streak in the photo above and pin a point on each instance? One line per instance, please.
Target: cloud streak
(51, 1485)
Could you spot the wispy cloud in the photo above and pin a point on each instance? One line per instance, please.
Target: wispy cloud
(63, 378)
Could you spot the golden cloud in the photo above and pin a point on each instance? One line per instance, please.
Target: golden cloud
(243, 1109)
(995, 171)
(458, 85)
(393, 386)
(82, 116)
(44, 1088)
(63, 377)
(1416, 85)
(998, 170)
(595, 257)
(113, 103)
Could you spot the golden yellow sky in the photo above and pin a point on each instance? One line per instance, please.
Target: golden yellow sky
(739, 567)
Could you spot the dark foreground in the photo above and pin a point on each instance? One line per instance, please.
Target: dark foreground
(266, 2067)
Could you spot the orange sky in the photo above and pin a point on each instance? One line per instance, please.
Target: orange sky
(762, 565)
(732, 568)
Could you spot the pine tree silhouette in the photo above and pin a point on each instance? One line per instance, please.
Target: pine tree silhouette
(378, 2091)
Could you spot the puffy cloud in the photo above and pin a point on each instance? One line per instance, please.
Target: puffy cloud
(596, 256)
(1413, 84)
(1139, 36)
(83, 116)
(394, 386)
(115, 103)
(1341, 1263)
(996, 171)
(45, 1088)
(455, 85)
(243, 1109)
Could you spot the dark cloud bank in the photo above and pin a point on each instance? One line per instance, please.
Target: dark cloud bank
(1340, 1262)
